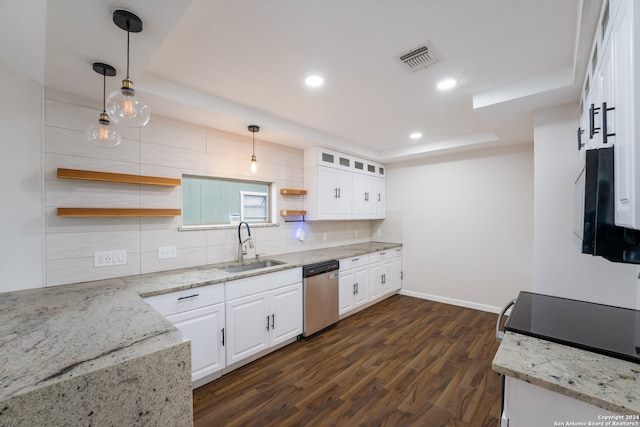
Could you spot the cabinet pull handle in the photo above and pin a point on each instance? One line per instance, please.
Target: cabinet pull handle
(267, 322)
(273, 321)
(189, 296)
(592, 121)
(354, 288)
(580, 143)
(605, 133)
(223, 337)
(339, 191)
(379, 197)
(355, 259)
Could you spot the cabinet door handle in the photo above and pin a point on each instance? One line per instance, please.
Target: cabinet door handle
(354, 288)
(605, 131)
(580, 143)
(339, 192)
(592, 121)
(267, 322)
(223, 337)
(273, 321)
(335, 193)
(188, 296)
(379, 197)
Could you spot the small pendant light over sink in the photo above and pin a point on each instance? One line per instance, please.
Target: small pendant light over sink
(253, 168)
(102, 133)
(124, 106)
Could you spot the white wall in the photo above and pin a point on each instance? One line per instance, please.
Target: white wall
(21, 182)
(467, 225)
(165, 147)
(559, 266)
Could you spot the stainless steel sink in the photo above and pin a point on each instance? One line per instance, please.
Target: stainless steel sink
(256, 265)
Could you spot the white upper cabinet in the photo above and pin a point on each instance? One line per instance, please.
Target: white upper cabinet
(342, 187)
(610, 103)
(625, 95)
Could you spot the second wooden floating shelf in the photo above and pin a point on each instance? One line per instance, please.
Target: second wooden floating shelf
(117, 177)
(292, 213)
(102, 212)
(293, 191)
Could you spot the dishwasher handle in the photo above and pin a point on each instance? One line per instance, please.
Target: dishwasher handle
(500, 332)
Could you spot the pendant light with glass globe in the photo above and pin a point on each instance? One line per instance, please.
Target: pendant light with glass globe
(124, 106)
(102, 133)
(253, 167)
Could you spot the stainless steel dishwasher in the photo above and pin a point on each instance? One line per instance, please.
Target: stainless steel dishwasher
(320, 296)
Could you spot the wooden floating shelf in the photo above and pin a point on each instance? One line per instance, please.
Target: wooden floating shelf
(293, 191)
(98, 212)
(292, 213)
(117, 177)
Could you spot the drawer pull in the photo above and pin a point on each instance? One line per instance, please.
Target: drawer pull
(189, 296)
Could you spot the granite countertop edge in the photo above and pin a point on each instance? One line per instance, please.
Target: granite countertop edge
(52, 334)
(599, 380)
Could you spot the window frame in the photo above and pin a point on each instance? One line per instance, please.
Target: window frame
(271, 199)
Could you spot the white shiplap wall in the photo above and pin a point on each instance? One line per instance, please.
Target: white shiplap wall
(165, 147)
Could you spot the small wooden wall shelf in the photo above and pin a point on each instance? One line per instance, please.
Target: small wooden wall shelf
(293, 191)
(292, 213)
(117, 177)
(101, 212)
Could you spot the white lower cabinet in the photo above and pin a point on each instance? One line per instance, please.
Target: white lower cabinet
(198, 313)
(205, 328)
(247, 328)
(527, 405)
(366, 278)
(353, 283)
(385, 272)
(261, 313)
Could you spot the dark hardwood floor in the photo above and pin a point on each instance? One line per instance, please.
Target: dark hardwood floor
(402, 362)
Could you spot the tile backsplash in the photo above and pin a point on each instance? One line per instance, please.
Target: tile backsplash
(169, 148)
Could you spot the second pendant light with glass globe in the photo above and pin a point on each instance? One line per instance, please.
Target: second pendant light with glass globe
(253, 166)
(124, 106)
(102, 133)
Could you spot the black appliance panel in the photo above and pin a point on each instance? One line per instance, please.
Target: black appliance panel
(604, 329)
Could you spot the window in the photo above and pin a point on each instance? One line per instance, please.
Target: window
(209, 201)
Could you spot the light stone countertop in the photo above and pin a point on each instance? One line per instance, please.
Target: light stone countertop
(53, 334)
(609, 383)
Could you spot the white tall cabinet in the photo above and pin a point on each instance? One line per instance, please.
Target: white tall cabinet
(342, 187)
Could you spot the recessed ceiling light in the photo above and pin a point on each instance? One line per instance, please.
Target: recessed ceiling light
(314, 81)
(415, 135)
(446, 84)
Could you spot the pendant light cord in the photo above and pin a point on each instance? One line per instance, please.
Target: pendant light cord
(128, 27)
(104, 90)
(253, 134)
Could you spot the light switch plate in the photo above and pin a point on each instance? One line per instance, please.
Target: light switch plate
(165, 252)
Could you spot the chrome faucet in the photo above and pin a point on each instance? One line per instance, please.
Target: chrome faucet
(242, 250)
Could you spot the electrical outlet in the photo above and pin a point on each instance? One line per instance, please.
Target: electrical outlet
(165, 252)
(324, 237)
(356, 232)
(109, 258)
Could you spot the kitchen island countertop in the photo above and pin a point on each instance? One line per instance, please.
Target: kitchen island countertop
(603, 381)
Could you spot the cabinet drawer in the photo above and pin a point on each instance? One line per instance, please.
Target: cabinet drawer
(353, 262)
(386, 254)
(187, 299)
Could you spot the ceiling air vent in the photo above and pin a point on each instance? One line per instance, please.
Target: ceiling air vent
(419, 58)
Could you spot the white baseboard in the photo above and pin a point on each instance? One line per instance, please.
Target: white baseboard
(453, 301)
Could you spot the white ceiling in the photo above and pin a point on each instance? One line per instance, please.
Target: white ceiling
(228, 64)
